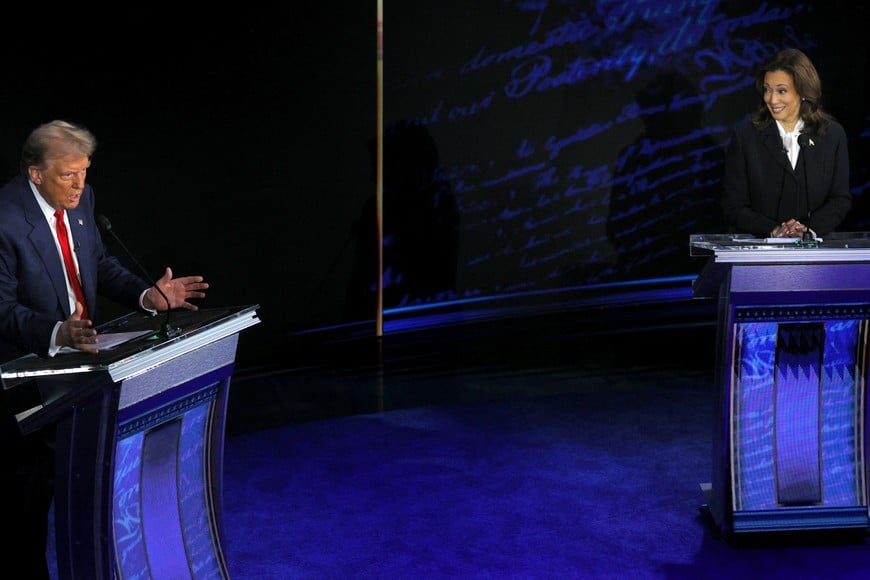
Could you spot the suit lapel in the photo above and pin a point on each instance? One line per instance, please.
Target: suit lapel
(83, 242)
(808, 151)
(42, 239)
(773, 144)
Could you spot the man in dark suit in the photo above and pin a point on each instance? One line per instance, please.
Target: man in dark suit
(41, 312)
(787, 171)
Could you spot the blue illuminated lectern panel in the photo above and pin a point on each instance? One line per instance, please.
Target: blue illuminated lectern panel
(797, 400)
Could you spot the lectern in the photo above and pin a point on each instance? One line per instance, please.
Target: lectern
(789, 450)
(140, 430)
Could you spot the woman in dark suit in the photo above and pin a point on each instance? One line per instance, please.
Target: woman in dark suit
(787, 169)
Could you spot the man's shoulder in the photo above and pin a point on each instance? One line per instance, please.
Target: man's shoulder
(12, 187)
(12, 206)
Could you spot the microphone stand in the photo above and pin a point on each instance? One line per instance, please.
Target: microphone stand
(167, 331)
(807, 239)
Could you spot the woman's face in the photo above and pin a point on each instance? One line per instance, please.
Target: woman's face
(781, 98)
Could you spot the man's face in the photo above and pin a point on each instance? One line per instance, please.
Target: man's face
(62, 180)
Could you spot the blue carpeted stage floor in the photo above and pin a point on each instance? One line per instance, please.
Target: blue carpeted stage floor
(599, 483)
(542, 453)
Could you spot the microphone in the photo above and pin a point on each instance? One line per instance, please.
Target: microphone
(167, 331)
(782, 177)
(804, 141)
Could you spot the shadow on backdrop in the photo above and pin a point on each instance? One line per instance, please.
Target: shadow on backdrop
(666, 183)
(420, 228)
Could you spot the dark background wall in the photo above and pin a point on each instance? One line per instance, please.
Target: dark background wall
(585, 140)
(230, 144)
(574, 142)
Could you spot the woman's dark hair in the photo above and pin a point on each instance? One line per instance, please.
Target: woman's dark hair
(807, 84)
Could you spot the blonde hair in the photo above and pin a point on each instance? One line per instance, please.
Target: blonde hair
(56, 139)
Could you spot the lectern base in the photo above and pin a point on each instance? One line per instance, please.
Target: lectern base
(845, 521)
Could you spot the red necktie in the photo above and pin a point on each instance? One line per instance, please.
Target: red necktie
(63, 238)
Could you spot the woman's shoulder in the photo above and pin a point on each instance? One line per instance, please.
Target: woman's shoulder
(835, 129)
(746, 131)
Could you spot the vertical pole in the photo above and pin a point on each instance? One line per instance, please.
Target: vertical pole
(379, 184)
(379, 180)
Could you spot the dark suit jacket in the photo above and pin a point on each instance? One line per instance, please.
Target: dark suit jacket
(761, 190)
(33, 292)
